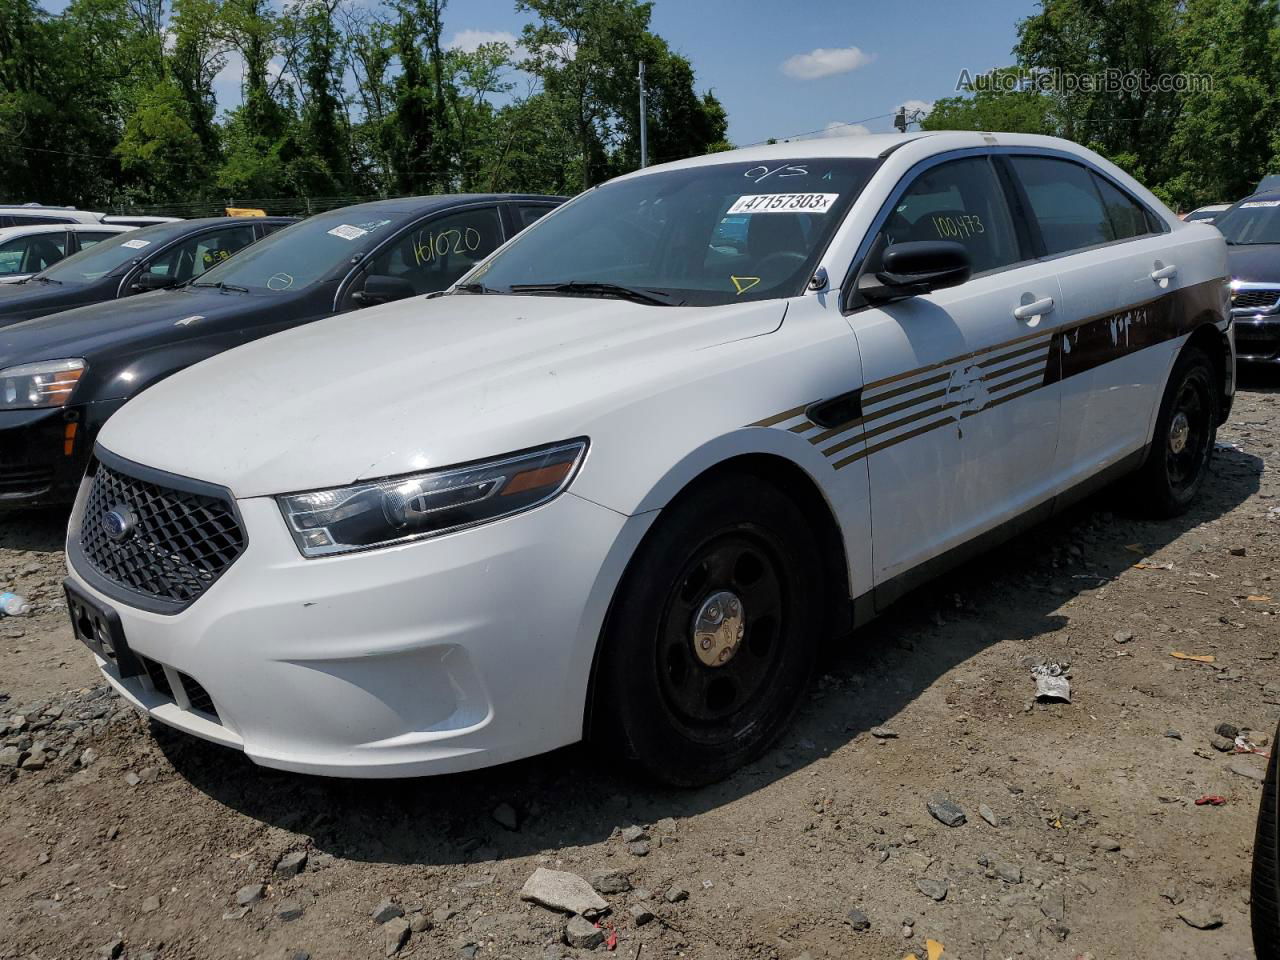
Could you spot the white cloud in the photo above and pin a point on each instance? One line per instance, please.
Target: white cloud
(825, 63)
(836, 129)
(469, 40)
(924, 106)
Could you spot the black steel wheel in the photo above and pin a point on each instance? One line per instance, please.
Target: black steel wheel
(1185, 434)
(713, 634)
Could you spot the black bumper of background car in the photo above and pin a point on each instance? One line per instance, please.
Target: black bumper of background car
(43, 453)
(1257, 338)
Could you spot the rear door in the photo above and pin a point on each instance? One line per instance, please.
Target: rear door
(1119, 308)
(958, 427)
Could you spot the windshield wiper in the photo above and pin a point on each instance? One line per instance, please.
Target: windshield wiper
(589, 288)
(221, 285)
(43, 279)
(475, 288)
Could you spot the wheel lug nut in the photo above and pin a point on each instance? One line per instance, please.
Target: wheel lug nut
(706, 643)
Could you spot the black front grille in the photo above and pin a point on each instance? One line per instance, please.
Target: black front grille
(1255, 299)
(155, 673)
(175, 543)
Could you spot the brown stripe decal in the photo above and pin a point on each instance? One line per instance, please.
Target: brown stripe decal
(1047, 357)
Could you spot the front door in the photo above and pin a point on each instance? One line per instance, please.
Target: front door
(959, 422)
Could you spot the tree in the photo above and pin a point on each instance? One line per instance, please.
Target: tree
(991, 107)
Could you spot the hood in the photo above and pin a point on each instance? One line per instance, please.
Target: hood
(90, 330)
(1254, 263)
(415, 385)
(32, 299)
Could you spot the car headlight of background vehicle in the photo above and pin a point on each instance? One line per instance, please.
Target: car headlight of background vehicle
(47, 383)
(384, 512)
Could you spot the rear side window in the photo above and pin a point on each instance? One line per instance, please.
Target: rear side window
(526, 215)
(1128, 217)
(962, 201)
(1065, 203)
(29, 219)
(88, 239)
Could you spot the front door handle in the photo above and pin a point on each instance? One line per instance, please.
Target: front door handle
(1037, 308)
(1164, 273)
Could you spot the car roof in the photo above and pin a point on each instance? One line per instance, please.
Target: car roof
(426, 204)
(39, 210)
(1261, 195)
(871, 145)
(180, 228)
(34, 229)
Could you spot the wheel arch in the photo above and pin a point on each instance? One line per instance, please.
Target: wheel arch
(803, 489)
(1209, 338)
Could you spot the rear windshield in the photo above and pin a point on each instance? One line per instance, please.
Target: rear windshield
(705, 235)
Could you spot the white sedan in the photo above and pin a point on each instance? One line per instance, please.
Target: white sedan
(624, 479)
(25, 251)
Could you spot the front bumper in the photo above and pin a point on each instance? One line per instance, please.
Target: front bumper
(452, 653)
(1257, 338)
(43, 453)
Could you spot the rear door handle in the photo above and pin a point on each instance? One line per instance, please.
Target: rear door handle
(1164, 273)
(1037, 308)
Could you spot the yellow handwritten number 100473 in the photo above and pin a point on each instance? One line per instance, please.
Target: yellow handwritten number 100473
(431, 246)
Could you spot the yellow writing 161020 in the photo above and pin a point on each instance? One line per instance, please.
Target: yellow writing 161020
(429, 245)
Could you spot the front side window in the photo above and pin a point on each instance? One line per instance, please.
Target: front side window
(88, 239)
(1251, 221)
(32, 254)
(1065, 202)
(434, 254)
(194, 256)
(706, 235)
(961, 201)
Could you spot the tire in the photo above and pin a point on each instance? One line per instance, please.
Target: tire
(685, 721)
(1186, 430)
(1265, 896)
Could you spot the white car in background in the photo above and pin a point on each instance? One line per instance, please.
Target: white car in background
(25, 251)
(1206, 214)
(30, 214)
(624, 479)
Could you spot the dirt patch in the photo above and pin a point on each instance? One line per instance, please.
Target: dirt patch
(1096, 844)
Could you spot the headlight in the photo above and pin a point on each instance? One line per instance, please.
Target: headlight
(384, 512)
(45, 384)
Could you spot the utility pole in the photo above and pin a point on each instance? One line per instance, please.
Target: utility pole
(644, 122)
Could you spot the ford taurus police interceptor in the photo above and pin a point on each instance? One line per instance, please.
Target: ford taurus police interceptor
(628, 472)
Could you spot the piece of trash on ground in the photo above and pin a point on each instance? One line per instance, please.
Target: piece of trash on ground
(1151, 565)
(1211, 800)
(1197, 657)
(12, 605)
(932, 949)
(1051, 681)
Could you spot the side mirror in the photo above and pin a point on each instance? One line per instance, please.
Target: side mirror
(914, 267)
(150, 281)
(383, 289)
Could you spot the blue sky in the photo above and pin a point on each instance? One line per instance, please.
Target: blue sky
(786, 68)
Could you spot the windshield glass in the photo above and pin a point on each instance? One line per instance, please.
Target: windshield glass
(1252, 221)
(702, 236)
(302, 253)
(110, 254)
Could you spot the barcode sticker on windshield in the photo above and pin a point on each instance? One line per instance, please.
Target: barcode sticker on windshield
(784, 203)
(1260, 203)
(136, 244)
(348, 232)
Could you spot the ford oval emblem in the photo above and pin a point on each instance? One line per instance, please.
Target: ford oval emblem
(118, 523)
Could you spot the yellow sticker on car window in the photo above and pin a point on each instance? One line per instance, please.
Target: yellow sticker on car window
(743, 284)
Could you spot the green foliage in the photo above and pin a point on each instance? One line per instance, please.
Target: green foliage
(1209, 137)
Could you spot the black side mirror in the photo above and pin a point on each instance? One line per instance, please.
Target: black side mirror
(379, 288)
(150, 281)
(914, 267)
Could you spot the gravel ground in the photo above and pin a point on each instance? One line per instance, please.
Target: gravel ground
(1080, 836)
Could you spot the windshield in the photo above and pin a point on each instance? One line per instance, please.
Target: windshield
(110, 254)
(700, 236)
(1252, 221)
(302, 253)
